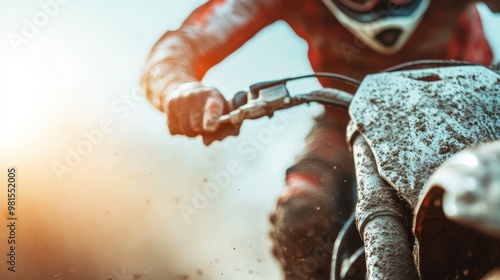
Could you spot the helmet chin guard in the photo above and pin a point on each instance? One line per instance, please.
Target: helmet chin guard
(384, 29)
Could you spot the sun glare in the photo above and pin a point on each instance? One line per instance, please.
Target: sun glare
(27, 83)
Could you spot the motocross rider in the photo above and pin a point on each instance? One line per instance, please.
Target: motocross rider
(349, 37)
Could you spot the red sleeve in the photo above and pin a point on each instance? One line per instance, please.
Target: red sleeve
(207, 36)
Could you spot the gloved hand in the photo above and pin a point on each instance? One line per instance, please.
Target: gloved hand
(194, 109)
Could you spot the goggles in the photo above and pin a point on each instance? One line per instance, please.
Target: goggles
(383, 25)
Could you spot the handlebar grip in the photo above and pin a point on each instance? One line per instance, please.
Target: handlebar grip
(239, 99)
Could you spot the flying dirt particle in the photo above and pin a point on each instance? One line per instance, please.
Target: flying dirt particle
(148, 202)
(444, 149)
(259, 260)
(205, 180)
(251, 271)
(184, 277)
(137, 276)
(361, 127)
(199, 272)
(176, 199)
(107, 212)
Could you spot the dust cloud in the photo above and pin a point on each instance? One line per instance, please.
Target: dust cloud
(94, 204)
(117, 214)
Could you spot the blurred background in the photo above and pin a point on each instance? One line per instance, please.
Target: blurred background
(104, 192)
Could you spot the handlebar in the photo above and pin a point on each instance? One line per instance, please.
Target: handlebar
(273, 96)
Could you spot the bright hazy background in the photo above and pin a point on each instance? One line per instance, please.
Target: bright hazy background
(115, 213)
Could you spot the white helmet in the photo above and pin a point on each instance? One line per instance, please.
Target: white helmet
(383, 25)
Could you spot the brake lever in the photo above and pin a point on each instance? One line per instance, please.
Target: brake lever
(268, 100)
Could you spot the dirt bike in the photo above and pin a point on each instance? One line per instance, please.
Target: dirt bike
(428, 202)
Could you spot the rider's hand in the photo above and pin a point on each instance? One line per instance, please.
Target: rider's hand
(194, 109)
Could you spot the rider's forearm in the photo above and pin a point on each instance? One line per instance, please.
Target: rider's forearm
(171, 63)
(209, 34)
